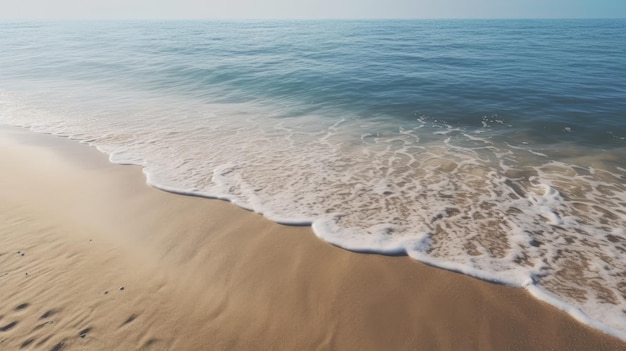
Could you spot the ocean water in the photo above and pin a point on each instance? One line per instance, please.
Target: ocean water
(495, 148)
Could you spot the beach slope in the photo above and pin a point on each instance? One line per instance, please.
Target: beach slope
(91, 258)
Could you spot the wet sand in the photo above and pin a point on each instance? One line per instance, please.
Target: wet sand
(92, 258)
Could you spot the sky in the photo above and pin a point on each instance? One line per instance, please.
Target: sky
(305, 9)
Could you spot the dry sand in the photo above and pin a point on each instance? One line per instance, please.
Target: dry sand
(201, 274)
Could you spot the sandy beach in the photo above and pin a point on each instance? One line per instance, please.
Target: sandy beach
(91, 258)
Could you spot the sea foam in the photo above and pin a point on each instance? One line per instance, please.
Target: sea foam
(491, 148)
(446, 196)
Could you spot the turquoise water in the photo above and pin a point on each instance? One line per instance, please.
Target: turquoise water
(496, 148)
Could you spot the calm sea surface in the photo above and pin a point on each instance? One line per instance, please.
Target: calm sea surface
(495, 148)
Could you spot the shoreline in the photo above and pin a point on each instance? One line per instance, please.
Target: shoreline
(205, 273)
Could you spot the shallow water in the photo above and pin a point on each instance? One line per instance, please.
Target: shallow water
(493, 148)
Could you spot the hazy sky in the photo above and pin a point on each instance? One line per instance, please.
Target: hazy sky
(192, 9)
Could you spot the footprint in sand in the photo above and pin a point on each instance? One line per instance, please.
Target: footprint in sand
(8, 326)
(83, 333)
(59, 346)
(48, 314)
(22, 306)
(27, 342)
(44, 340)
(150, 342)
(129, 319)
(39, 326)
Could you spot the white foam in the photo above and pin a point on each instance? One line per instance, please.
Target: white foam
(445, 197)
(577, 314)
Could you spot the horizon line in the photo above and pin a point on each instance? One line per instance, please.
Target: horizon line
(296, 18)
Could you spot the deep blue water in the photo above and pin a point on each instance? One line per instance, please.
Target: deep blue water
(495, 148)
(539, 76)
